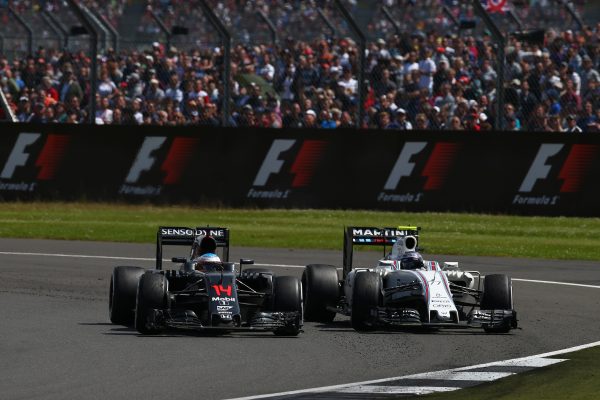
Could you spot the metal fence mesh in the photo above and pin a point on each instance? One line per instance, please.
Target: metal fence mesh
(429, 64)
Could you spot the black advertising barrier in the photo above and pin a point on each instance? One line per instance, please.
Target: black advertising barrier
(516, 173)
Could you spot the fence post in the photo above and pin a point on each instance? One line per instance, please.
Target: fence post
(162, 27)
(272, 29)
(362, 47)
(327, 22)
(57, 31)
(57, 24)
(25, 26)
(111, 29)
(390, 18)
(105, 33)
(94, 44)
(226, 39)
(500, 41)
(574, 14)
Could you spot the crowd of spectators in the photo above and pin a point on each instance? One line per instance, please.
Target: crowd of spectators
(420, 80)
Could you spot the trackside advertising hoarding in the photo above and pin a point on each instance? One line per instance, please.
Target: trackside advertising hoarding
(516, 173)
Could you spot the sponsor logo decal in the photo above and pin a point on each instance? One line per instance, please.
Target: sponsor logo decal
(224, 308)
(148, 168)
(556, 170)
(226, 300)
(17, 177)
(192, 232)
(379, 232)
(414, 163)
(285, 169)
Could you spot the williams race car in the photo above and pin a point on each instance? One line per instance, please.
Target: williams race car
(205, 293)
(404, 290)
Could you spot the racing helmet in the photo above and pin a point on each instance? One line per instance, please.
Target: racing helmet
(204, 259)
(411, 260)
(203, 245)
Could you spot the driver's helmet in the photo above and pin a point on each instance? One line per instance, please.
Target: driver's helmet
(208, 258)
(412, 260)
(203, 245)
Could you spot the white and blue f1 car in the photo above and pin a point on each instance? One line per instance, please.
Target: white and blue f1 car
(403, 290)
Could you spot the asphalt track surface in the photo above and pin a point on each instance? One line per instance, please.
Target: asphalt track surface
(56, 341)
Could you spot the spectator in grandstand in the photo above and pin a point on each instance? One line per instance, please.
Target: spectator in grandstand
(402, 121)
(310, 119)
(572, 124)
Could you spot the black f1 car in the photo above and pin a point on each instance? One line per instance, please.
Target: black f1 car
(215, 298)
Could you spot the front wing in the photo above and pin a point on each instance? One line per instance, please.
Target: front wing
(261, 321)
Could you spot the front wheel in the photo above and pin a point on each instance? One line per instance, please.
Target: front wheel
(365, 297)
(497, 295)
(151, 294)
(288, 298)
(321, 290)
(122, 292)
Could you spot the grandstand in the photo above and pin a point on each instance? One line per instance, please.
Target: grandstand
(431, 64)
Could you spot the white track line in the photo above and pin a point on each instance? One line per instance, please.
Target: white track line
(556, 283)
(15, 253)
(347, 388)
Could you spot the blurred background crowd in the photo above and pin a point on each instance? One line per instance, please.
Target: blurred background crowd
(422, 70)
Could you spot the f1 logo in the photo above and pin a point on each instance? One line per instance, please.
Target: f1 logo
(403, 166)
(304, 165)
(48, 160)
(222, 289)
(539, 169)
(180, 153)
(18, 157)
(436, 168)
(272, 164)
(144, 161)
(572, 172)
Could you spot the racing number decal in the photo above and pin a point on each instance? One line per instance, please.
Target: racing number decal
(222, 289)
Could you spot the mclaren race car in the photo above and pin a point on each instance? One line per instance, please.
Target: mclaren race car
(403, 290)
(205, 293)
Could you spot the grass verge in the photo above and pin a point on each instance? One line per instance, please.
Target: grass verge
(443, 233)
(576, 379)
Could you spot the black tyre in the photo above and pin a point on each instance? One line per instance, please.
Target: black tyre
(321, 289)
(122, 292)
(365, 296)
(497, 295)
(288, 298)
(151, 294)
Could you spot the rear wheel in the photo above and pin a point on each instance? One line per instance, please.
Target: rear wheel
(122, 292)
(365, 297)
(321, 290)
(151, 294)
(497, 295)
(288, 298)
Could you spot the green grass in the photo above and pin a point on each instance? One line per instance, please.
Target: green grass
(576, 379)
(443, 233)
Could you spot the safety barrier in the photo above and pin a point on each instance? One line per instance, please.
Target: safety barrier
(514, 173)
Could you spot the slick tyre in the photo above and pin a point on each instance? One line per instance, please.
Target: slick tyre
(365, 296)
(321, 289)
(151, 294)
(121, 295)
(288, 298)
(497, 295)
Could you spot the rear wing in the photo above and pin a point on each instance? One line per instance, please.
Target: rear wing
(181, 236)
(371, 236)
